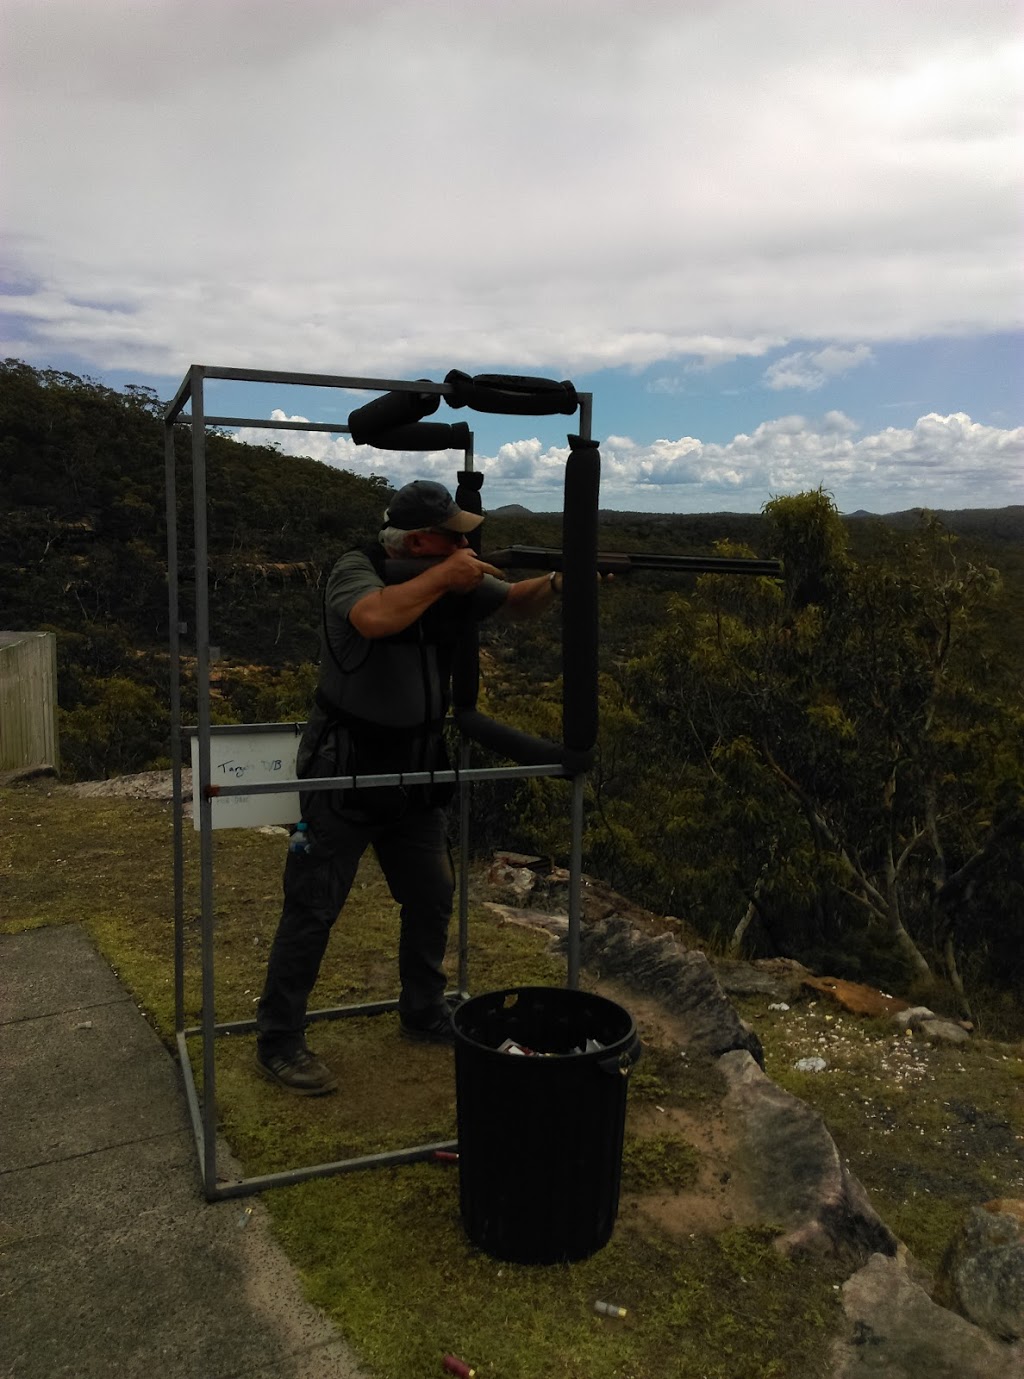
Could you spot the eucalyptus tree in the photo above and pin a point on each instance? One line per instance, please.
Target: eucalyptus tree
(859, 752)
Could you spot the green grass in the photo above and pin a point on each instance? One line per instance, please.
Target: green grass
(384, 1252)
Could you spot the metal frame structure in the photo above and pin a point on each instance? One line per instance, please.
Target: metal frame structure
(202, 1106)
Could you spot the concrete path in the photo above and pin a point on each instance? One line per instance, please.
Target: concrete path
(111, 1262)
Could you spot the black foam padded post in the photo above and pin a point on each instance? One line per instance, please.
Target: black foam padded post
(507, 741)
(579, 595)
(389, 411)
(466, 661)
(423, 435)
(511, 394)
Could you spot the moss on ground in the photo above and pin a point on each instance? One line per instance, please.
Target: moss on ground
(664, 1077)
(659, 1161)
(410, 1288)
(384, 1252)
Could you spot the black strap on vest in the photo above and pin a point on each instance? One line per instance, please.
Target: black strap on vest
(366, 728)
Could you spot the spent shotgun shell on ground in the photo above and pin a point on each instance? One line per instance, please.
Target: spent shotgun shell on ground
(609, 1309)
(458, 1367)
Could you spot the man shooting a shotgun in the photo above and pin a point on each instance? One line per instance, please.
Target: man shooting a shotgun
(381, 702)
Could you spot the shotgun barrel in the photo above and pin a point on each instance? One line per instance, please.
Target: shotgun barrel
(624, 562)
(398, 570)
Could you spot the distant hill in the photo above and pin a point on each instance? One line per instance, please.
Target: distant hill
(990, 524)
(996, 524)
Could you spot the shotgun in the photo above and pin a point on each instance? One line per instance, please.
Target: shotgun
(397, 571)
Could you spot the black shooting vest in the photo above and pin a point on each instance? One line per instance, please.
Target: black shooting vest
(381, 704)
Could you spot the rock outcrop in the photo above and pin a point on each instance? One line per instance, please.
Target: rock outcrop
(982, 1275)
(794, 1171)
(683, 981)
(895, 1331)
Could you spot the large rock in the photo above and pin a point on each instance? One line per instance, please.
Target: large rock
(982, 1275)
(683, 981)
(780, 979)
(794, 1171)
(895, 1331)
(942, 1031)
(855, 997)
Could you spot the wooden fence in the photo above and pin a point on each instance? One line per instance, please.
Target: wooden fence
(28, 700)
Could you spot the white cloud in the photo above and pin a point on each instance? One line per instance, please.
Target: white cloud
(374, 189)
(812, 369)
(940, 462)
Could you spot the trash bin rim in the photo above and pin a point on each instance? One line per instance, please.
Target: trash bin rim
(628, 1039)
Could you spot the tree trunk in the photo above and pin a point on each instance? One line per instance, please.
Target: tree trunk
(918, 962)
(955, 981)
(736, 942)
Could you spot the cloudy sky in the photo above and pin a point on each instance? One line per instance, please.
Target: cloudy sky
(779, 241)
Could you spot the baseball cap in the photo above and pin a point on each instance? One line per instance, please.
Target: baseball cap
(424, 503)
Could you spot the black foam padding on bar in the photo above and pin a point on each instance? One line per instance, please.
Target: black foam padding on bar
(576, 763)
(423, 435)
(466, 660)
(471, 481)
(579, 595)
(389, 411)
(509, 742)
(511, 394)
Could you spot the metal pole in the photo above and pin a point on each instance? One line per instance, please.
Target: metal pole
(200, 796)
(575, 883)
(586, 401)
(174, 670)
(465, 789)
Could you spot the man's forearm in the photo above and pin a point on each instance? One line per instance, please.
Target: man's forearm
(528, 598)
(397, 606)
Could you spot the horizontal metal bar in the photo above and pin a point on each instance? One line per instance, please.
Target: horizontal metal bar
(246, 1187)
(227, 729)
(280, 787)
(324, 380)
(325, 1013)
(273, 425)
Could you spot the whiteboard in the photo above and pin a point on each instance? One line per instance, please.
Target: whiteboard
(265, 753)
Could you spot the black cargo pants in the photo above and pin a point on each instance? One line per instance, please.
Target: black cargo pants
(414, 857)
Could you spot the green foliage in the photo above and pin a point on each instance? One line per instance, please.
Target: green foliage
(113, 731)
(835, 745)
(808, 534)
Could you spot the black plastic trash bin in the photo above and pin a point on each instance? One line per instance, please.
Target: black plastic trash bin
(540, 1138)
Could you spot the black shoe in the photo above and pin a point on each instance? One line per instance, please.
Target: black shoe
(430, 1026)
(301, 1072)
